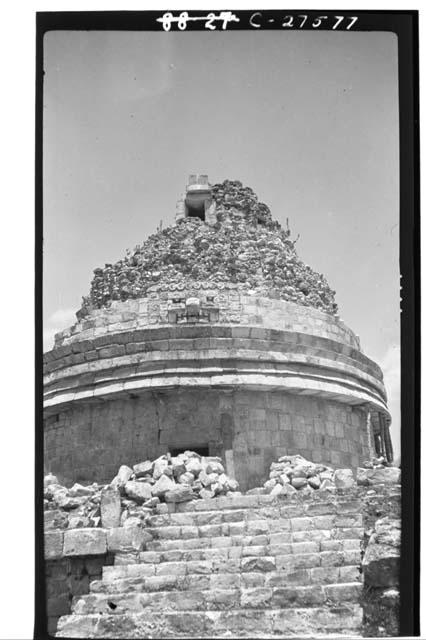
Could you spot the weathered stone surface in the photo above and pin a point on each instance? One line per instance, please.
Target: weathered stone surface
(186, 478)
(299, 482)
(180, 493)
(161, 467)
(127, 538)
(381, 560)
(124, 474)
(143, 468)
(344, 478)
(162, 486)
(194, 466)
(139, 491)
(110, 508)
(84, 542)
(53, 544)
(385, 475)
(50, 479)
(214, 466)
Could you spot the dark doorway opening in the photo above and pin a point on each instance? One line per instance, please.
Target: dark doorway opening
(196, 210)
(202, 450)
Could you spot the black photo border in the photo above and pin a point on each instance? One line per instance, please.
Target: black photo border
(405, 25)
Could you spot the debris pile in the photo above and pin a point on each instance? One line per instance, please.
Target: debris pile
(138, 491)
(244, 247)
(375, 463)
(295, 473)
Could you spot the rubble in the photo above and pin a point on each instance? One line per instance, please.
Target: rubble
(245, 246)
(134, 493)
(295, 473)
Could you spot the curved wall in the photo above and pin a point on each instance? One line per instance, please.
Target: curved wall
(89, 442)
(137, 379)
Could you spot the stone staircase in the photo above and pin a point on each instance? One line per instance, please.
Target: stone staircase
(285, 569)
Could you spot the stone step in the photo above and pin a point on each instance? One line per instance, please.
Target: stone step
(234, 558)
(325, 540)
(143, 579)
(214, 524)
(218, 598)
(341, 621)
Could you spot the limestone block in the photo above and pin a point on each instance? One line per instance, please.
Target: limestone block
(382, 557)
(264, 563)
(53, 544)
(385, 475)
(161, 467)
(344, 478)
(206, 494)
(186, 478)
(162, 486)
(194, 466)
(180, 493)
(139, 491)
(50, 479)
(143, 469)
(298, 482)
(120, 539)
(110, 508)
(84, 542)
(214, 466)
(124, 474)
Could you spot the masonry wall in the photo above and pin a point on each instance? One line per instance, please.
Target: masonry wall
(69, 577)
(89, 442)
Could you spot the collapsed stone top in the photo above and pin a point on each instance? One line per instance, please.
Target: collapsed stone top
(222, 234)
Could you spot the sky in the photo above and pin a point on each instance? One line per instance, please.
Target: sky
(309, 120)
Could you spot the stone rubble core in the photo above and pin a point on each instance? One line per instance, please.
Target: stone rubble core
(243, 246)
(313, 561)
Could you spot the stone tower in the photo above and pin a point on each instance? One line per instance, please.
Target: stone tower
(212, 336)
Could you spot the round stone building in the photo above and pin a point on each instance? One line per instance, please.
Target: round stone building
(211, 336)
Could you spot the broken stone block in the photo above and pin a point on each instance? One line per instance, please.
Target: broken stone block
(233, 484)
(186, 478)
(327, 485)
(78, 490)
(139, 491)
(381, 562)
(163, 484)
(124, 474)
(214, 467)
(161, 468)
(194, 466)
(287, 490)
(384, 475)
(269, 485)
(314, 482)
(110, 507)
(180, 493)
(205, 478)
(344, 478)
(299, 482)
(143, 468)
(276, 490)
(206, 494)
(67, 503)
(152, 502)
(50, 479)
(178, 467)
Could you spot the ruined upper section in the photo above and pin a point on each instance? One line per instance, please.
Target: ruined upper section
(222, 234)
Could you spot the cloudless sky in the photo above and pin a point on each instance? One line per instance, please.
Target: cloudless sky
(309, 120)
